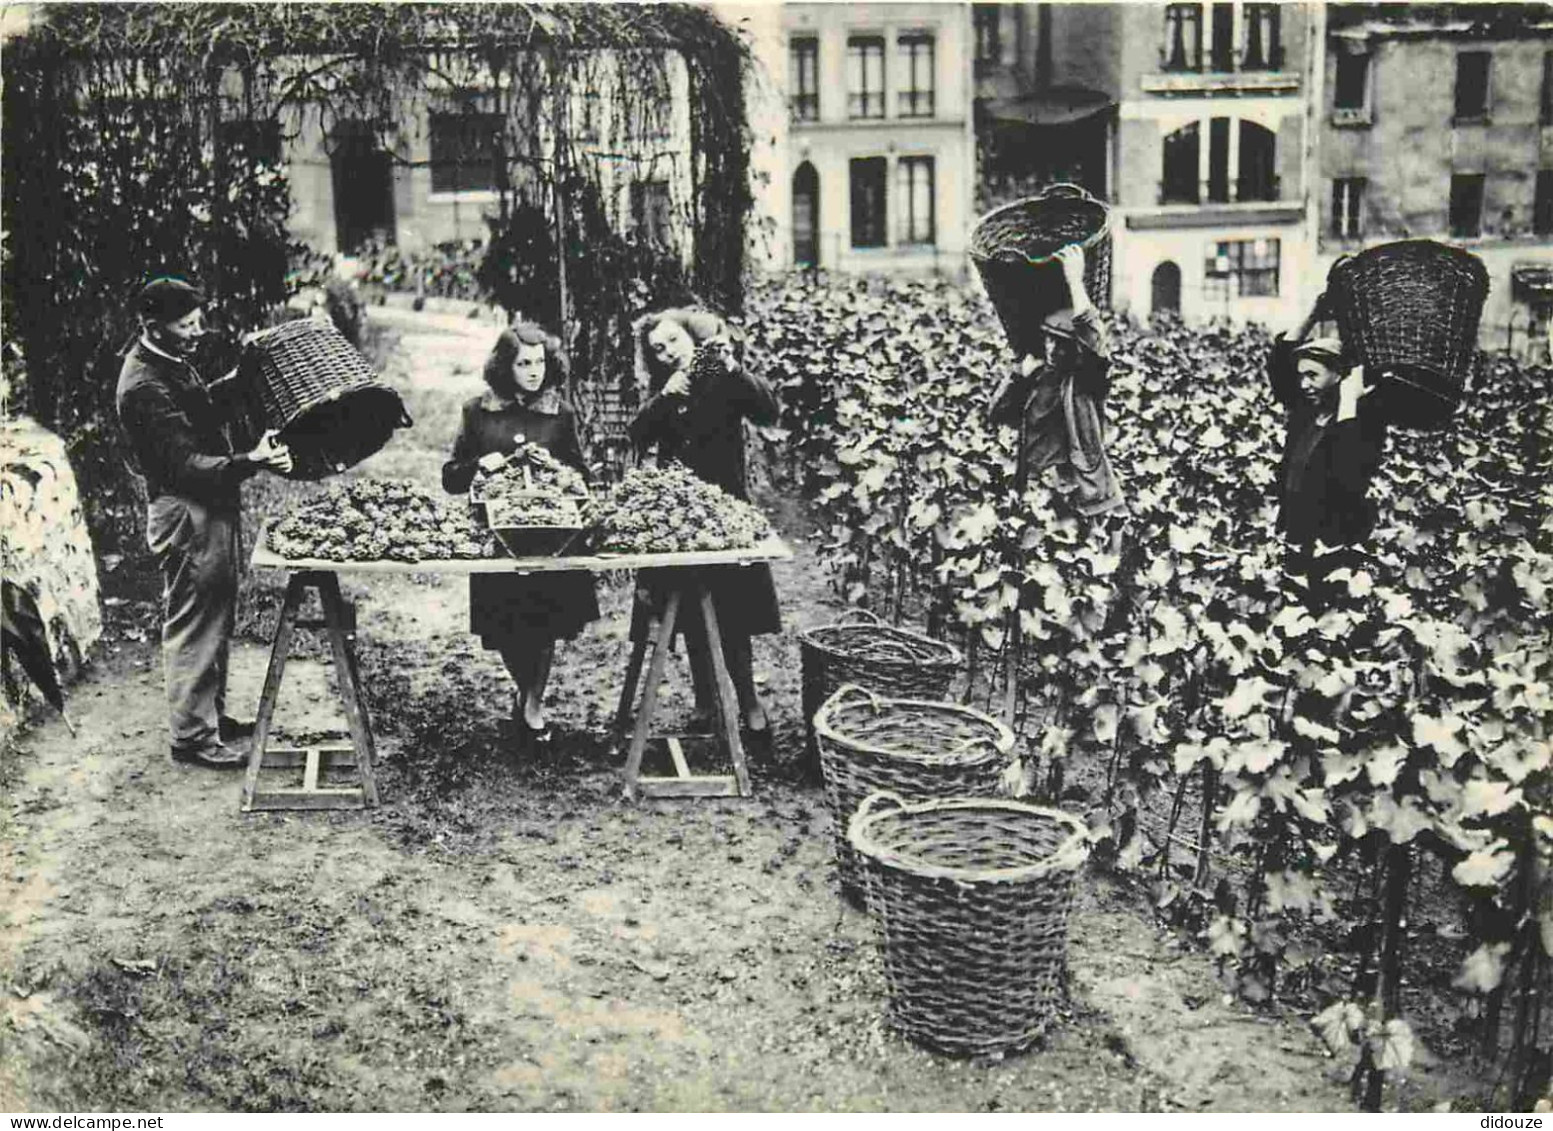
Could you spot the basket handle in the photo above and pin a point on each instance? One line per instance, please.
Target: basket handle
(877, 801)
(866, 616)
(856, 691)
(1065, 188)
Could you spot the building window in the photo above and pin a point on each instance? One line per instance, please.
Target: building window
(1547, 88)
(1542, 205)
(1242, 269)
(1218, 160)
(1257, 176)
(1348, 208)
(1467, 204)
(1183, 37)
(865, 76)
(916, 94)
(1264, 45)
(1351, 90)
(465, 151)
(914, 200)
(804, 79)
(251, 138)
(1221, 47)
(1472, 71)
(1180, 185)
(652, 212)
(868, 187)
(988, 20)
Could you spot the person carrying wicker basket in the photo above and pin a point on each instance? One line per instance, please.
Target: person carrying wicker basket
(179, 428)
(699, 394)
(1335, 441)
(522, 617)
(1057, 399)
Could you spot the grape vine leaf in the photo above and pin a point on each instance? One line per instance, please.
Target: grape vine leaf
(1337, 1024)
(1392, 1046)
(1442, 735)
(1483, 969)
(1485, 868)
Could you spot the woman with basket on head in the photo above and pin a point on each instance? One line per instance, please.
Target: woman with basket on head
(1056, 397)
(522, 617)
(1333, 448)
(698, 397)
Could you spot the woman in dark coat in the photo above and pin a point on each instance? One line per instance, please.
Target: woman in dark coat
(523, 617)
(699, 396)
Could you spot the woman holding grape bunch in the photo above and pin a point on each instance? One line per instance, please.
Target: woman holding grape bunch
(522, 617)
(698, 397)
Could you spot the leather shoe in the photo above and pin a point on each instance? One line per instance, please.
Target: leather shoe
(235, 728)
(216, 757)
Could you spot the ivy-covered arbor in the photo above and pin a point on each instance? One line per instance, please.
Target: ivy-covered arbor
(143, 138)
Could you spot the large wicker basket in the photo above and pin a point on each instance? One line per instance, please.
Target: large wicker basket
(860, 648)
(913, 747)
(1014, 249)
(323, 398)
(1410, 311)
(971, 897)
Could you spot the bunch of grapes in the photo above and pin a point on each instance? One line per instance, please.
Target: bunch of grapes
(545, 473)
(671, 510)
(535, 509)
(379, 520)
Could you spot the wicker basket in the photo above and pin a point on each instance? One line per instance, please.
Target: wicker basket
(1410, 311)
(1014, 250)
(971, 897)
(917, 748)
(321, 396)
(860, 648)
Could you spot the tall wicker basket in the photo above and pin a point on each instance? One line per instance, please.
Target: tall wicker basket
(971, 898)
(323, 398)
(1014, 247)
(1410, 310)
(909, 746)
(861, 649)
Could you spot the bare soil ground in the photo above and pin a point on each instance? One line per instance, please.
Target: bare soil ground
(506, 932)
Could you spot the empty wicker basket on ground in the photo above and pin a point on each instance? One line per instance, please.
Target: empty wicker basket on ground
(1410, 310)
(971, 898)
(1014, 246)
(320, 394)
(861, 649)
(919, 749)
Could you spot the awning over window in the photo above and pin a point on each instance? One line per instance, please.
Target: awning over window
(1055, 106)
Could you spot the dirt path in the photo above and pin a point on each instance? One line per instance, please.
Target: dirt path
(510, 935)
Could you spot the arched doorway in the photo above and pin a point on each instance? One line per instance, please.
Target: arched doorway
(806, 216)
(1166, 289)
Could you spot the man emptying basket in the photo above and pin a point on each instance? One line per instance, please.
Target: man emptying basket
(1057, 398)
(178, 428)
(1336, 438)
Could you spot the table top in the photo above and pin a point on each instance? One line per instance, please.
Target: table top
(770, 550)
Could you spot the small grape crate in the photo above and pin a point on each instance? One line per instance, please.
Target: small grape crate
(534, 524)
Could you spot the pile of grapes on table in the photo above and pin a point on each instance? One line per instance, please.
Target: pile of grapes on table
(668, 510)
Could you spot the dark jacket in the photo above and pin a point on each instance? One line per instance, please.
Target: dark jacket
(705, 430)
(490, 425)
(179, 429)
(1062, 407)
(1327, 467)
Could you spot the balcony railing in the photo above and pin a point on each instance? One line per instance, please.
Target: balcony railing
(1217, 191)
(805, 107)
(1220, 61)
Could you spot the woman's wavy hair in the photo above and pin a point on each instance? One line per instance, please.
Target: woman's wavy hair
(498, 367)
(702, 326)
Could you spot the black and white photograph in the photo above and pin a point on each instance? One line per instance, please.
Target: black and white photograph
(776, 557)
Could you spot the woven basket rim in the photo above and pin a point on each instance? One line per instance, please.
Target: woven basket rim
(1089, 241)
(850, 691)
(1067, 856)
(950, 656)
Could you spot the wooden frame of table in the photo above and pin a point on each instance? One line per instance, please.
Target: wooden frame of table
(321, 575)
